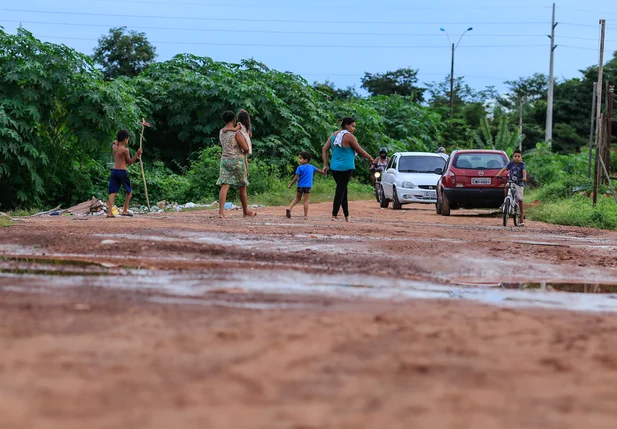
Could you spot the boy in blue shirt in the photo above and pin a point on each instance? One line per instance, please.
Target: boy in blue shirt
(304, 177)
(517, 172)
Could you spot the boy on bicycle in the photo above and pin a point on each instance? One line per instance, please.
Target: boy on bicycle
(517, 173)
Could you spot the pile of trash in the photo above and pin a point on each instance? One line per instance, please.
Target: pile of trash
(96, 207)
(91, 207)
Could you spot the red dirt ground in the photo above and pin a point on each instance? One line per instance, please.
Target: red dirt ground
(95, 357)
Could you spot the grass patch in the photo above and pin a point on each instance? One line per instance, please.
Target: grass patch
(25, 212)
(5, 221)
(322, 191)
(51, 272)
(576, 211)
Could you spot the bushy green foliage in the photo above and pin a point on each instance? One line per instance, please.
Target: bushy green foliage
(189, 95)
(56, 113)
(577, 211)
(163, 184)
(504, 140)
(565, 188)
(546, 167)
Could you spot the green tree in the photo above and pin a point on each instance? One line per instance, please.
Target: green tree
(124, 53)
(470, 108)
(334, 93)
(189, 94)
(528, 89)
(400, 82)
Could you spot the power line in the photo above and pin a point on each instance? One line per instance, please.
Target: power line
(587, 10)
(291, 6)
(420, 73)
(578, 47)
(227, 30)
(484, 77)
(338, 22)
(578, 25)
(595, 39)
(310, 46)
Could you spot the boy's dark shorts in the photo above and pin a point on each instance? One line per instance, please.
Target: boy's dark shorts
(117, 179)
(304, 190)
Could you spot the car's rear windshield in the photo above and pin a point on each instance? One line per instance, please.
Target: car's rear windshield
(420, 164)
(480, 161)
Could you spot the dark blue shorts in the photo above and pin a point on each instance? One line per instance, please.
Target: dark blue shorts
(303, 190)
(117, 179)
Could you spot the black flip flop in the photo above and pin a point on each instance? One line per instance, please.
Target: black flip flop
(126, 214)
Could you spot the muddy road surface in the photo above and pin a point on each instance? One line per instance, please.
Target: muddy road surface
(397, 319)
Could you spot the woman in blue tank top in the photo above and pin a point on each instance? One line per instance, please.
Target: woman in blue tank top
(344, 147)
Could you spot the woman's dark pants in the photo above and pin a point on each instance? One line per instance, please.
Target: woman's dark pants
(340, 197)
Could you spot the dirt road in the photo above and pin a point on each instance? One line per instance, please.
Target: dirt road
(393, 320)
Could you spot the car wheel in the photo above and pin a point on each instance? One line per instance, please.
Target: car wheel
(396, 205)
(383, 202)
(445, 206)
(438, 205)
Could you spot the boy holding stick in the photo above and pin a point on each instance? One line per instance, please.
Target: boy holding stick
(119, 176)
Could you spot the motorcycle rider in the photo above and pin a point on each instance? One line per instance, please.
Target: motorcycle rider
(380, 163)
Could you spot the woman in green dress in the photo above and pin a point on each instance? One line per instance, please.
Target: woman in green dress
(233, 170)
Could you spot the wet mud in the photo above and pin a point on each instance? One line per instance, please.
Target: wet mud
(397, 319)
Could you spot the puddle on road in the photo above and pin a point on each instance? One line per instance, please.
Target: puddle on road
(203, 287)
(37, 274)
(252, 305)
(597, 288)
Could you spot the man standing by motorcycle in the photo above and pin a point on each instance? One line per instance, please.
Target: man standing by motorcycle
(379, 164)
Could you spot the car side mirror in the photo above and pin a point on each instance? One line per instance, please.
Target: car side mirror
(438, 171)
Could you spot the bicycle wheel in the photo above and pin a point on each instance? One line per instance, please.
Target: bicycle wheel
(517, 215)
(506, 212)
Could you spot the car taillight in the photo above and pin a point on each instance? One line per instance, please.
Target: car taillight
(451, 177)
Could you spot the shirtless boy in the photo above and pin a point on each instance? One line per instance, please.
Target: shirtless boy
(119, 176)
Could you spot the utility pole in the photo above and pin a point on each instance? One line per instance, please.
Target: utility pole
(593, 120)
(599, 110)
(549, 108)
(452, 83)
(520, 125)
(609, 130)
(599, 136)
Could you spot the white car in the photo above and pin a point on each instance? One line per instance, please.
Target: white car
(411, 177)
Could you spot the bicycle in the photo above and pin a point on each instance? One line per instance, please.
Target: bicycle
(510, 206)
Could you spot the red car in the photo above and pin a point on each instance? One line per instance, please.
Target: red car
(469, 181)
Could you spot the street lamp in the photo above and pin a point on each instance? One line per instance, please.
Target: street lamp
(452, 66)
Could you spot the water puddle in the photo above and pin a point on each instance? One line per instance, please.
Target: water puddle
(220, 303)
(597, 288)
(243, 288)
(40, 273)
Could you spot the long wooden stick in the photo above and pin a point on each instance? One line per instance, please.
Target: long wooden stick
(143, 174)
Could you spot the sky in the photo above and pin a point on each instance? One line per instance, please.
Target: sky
(340, 40)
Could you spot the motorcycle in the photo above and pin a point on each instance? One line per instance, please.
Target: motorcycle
(376, 172)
